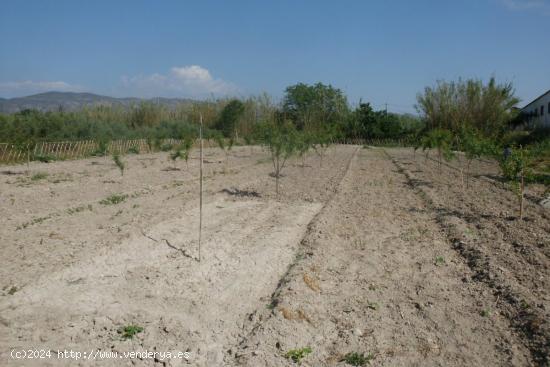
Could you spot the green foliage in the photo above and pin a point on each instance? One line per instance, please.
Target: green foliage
(114, 199)
(182, 151)
(129, 331)
(296, 355)
(321, 140)
(517, 168)
(133, 150)
(517, 164)
(358, 359)
(303, 142)
(229, 118)
(102, 147)
(441, 140)
(468, 103)
(119, 163)
(474, 145)
(281, 142)
(44, 158)
(312, 106)
(225, 145)
(99, 123)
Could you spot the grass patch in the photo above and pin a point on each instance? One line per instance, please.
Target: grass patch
(129, 331)
(439, 261)
(114, 199)
(358, 359)
(298, 354)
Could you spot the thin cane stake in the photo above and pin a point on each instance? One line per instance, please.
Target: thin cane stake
(200, 196)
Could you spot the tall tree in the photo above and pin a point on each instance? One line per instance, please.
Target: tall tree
(229, 117)
(312, 106)
(468, 103)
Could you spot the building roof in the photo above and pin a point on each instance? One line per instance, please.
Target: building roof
(536, 99)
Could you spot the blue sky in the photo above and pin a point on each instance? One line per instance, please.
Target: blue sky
(382, 51)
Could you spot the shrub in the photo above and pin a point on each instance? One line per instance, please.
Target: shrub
(357, 359)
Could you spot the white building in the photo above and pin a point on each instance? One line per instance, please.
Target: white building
(537, 112)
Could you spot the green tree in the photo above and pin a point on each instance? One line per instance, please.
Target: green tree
(311, 106)
(471, 103)
(517, 167)
(280, 140)
(229, 118)
(474, 147)
(441, 140)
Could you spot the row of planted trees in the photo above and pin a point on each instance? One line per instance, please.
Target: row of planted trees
(516, 162)
(475, 118)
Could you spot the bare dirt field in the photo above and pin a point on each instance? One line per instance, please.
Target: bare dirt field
(373, 251)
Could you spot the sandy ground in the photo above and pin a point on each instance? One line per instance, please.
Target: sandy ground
(357, 255)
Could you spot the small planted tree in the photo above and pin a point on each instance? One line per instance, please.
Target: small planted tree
(25, 147)
(321, 141)
(303, 145)
(226, 147)
(183, 150)
(516, 167)
(280, 141)
(249, 140)
(119, 163)
(474, 147)
(441, 140)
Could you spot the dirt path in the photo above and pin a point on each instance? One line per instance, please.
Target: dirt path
(378, 276)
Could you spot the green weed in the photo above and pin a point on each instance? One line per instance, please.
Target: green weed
(114, 199)
(298, 354)
(358, 359)
(129, 331)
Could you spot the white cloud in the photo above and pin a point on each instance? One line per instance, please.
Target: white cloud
(184, 81)
(536, 5)
(27, 87)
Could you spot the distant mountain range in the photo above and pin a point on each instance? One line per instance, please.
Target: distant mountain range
(70, 101)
